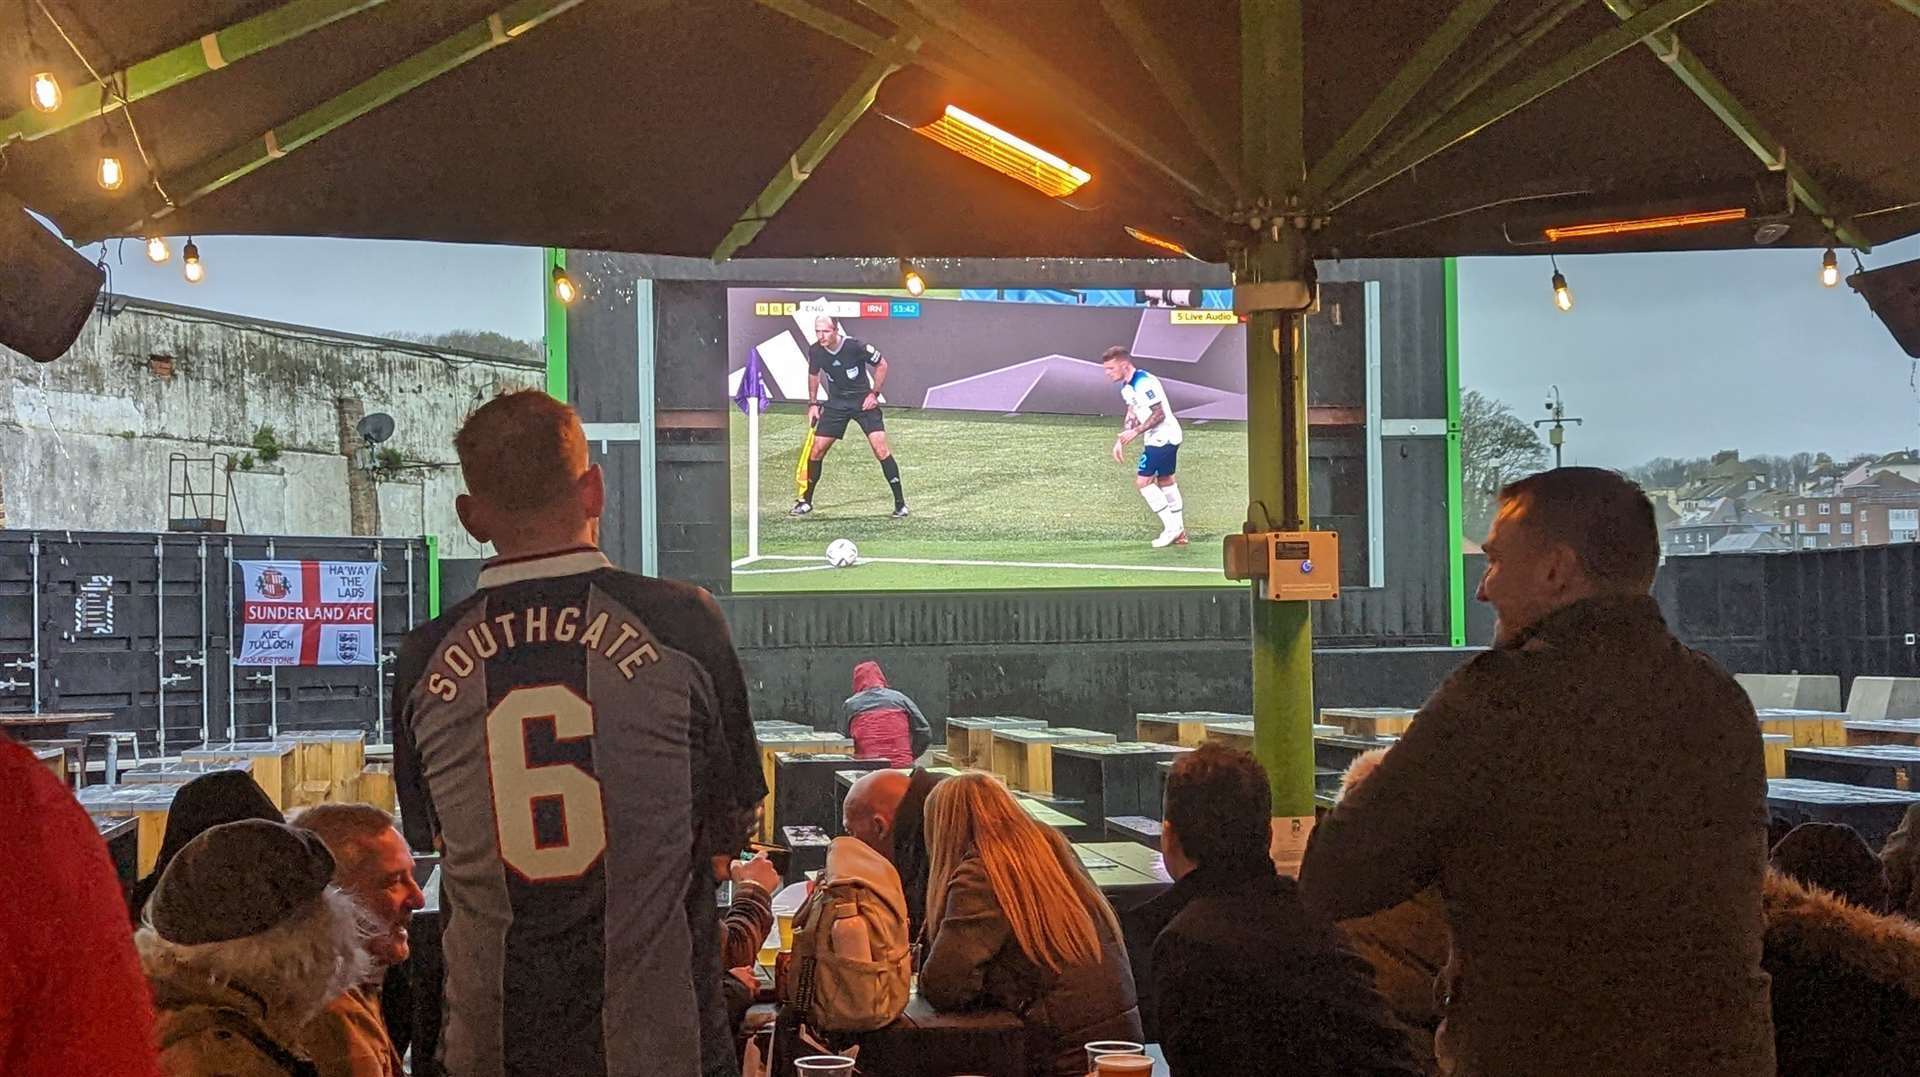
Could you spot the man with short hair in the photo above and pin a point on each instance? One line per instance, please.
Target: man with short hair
(1232, 931)
(853, 372)
(578, 742)
(1590, 796)
(1150, 418)
(886, 809)
(372, 863)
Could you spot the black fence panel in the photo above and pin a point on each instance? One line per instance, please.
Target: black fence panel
(141, 626)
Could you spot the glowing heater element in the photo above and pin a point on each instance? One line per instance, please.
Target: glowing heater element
(1152, 240)
(1644, 224)
(1829, 269)
(1004, 152)
(157, 250)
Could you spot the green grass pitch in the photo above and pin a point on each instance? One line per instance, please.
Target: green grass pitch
(1031, 490)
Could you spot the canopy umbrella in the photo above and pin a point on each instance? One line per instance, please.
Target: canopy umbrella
(1263, 133)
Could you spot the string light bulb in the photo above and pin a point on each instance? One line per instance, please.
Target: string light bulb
(190, 266)
(1829, 269)
(43, 90)
(157, 250)
(1562, 295)
(111, 173)
(911, 280)
(563, 287)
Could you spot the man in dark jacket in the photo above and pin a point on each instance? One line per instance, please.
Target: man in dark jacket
(886, 809)
(1243, 979)
(1590, 796)
(883, 723)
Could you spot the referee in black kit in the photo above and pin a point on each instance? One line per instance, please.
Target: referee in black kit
(853, 371)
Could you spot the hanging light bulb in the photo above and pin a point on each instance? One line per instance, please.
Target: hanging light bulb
(563, 287)
(42, 88)
(911, 280)
(190, 266)
(157, 250)
(1562, 295)
(1829, 269)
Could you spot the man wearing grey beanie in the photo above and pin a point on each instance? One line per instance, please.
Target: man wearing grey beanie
(246, 939)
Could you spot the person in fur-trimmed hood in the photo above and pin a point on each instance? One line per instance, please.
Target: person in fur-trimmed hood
(1846, 985)
(247, 940)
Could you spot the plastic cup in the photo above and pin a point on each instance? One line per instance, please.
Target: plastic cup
(1099, 1048)
(785, 920)
(1124, 1066)
(824, 1066)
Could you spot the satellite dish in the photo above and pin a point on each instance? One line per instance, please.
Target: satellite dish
(376, 428)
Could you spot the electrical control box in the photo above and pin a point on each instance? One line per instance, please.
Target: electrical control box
(1291, 566)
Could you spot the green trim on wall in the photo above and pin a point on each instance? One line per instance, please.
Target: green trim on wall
(433, 575)
(556, 325)
(1456, 565)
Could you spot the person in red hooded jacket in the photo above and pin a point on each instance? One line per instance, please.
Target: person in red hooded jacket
(883, 723)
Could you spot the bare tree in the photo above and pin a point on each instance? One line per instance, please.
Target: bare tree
(1496, 447)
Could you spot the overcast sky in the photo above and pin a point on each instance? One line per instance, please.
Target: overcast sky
(1662, 355)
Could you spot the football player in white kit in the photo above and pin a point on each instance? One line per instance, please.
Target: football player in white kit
(1150, 418)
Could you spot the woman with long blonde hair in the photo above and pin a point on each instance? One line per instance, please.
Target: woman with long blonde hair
(1014, 922)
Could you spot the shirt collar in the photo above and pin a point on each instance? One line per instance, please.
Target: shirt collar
(543, 566)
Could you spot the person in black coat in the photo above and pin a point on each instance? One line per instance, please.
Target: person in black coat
(1243, 978)
(224, 796)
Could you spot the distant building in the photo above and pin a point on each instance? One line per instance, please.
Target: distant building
(1752, 542)
(1875, 511)
(1726, 477)
(1905, 463)
(1704, 530)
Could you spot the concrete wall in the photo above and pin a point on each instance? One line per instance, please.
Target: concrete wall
(84, 441)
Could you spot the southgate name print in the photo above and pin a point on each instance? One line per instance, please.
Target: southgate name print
(308, 613)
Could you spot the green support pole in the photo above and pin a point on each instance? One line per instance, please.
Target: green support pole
(1272, 123)
(1456, 521)
(556, 325)
(433, 575)
(209, 52)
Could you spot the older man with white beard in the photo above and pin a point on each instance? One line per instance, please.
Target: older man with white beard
(374, 866)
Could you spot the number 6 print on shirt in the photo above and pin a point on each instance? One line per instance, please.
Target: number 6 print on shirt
(519, 787)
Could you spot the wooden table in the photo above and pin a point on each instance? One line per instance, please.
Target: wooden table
(1807, 728)
(1187, 729)
(180, 772)
(1883, 731)
(330, 758)
(54, 759)
(1124, 871)
(1881, 766)
(269, 761)
(48, 725)
(1337, 751)
(1023, 758)
(1873, 812)
(1369, 721)
(1776, 745)
(970, 740)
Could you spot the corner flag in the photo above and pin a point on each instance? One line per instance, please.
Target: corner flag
(753, 383)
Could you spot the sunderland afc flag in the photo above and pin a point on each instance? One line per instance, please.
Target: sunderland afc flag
(308, 613)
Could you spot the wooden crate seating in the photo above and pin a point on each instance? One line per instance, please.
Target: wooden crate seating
(148, 804)
(54, 759)
(1369, 721)
(270, 762)
(970, 740)
(1188, 729)
(1232, 734)
(376, 787)
(1883, 731)
(809, 742)
(1776, 745)
(326, 756)
(1023, 758)
(1807, 728)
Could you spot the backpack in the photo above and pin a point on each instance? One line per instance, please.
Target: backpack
(852, 966)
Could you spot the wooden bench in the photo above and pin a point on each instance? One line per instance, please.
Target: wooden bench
(146, 804)
(1369, 721)
(331, 757)
(1776, 745)
(970, 740)
(1023, 758)
(1873, 812)
(808, 743)
(1112, 779)
(1883, 731)
(1881, 766)
(1809, 729)
(1238, 735)
(1188, 729)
